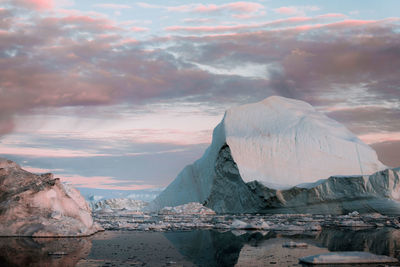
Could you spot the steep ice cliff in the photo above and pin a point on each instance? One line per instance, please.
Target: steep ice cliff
(279, 143)
(40, 206)
(378, 192)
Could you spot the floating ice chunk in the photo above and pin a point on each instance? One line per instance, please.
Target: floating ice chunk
(292, 244)
(348, 257)
(355, 223)
(189, 208)
(238, 224)
(354, 213)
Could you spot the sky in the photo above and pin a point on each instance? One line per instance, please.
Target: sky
(123, 94)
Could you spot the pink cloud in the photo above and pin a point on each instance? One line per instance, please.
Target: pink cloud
(332, 15)
(198, 20)
(37, 4)
(220, 28)
(174, 136)
(352, 23)
(101, 182)
(45, 152)
(371, 138)
(286, 10)
(139, 29)
(112, 6)
(278, 25)
(146, 5)
(295, 10)
(240, 9)
(244, 7)
(228, 28)
(40, 170)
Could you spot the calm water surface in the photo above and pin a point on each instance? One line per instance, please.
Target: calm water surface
(193, 248)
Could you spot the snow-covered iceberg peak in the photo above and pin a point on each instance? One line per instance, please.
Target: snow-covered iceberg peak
(282, 142)
(279, 142)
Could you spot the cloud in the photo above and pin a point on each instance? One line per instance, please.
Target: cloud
(295, 23)
(44, 152)
(36, 4)
(198, 20)
(351, 63)
(220, 28)
(85, 60)
(295, 10)
(139, 29)
(236, 9)
(332, 15)
(388, 152)
(112, 6)
(101, 182)
(40, 170)
(146, 5)
(362, 119)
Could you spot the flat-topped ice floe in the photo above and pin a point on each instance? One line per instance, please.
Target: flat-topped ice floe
(278, 143)
(40, 206)
(348, 257)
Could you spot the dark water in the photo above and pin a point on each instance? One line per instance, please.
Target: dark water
(194, 248)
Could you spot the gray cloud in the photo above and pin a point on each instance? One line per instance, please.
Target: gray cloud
(388, 152)
(345, 64)
(369, 119)
(79, 60)
(82, 61)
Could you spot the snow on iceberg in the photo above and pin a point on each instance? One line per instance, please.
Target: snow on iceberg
(40, 206)
(279, 143)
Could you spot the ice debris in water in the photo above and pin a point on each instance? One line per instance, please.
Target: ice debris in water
(348, 257)
(293, 244)
(189, 208)
(195, 216)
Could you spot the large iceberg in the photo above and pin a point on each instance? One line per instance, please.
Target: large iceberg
(279, 143)
(40, 206)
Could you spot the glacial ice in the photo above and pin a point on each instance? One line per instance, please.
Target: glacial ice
(272, 146)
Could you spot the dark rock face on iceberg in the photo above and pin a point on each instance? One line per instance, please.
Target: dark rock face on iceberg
(229, 192)
(40, 206)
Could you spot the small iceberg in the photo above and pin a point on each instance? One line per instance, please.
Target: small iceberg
(348, 257)
(293, 244)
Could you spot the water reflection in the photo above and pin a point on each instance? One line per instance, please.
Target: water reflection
(199, 248)
(37, 252)
(383, 241)
(212, 248)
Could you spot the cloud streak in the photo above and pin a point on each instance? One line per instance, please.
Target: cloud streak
(240, 10)
(296, 10)
(101, 182)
